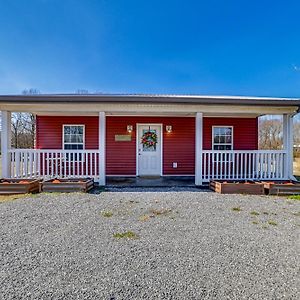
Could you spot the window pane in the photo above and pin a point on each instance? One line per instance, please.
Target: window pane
(222, 139)
(216, 139)
(228, 139)
(216, 131)
(67, 130)
(228, 131)
(73, 146)
(228, 147)
(222, 130)
(67, 138)
(76, 138)
(80, 130)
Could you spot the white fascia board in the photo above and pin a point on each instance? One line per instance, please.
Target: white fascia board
(136, 108)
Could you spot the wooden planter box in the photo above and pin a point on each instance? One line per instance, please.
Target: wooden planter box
(281, 187)
(18, 186)
(68, 185)
(237, 187)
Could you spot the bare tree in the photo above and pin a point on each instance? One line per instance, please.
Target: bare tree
(23, 126)
(270, 134)
(31, 91)
(82, 92)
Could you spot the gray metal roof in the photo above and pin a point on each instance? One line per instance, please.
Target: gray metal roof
(150, 98)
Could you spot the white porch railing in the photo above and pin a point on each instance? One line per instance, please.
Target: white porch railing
(235, 165)
(36, 163)
(243, 165)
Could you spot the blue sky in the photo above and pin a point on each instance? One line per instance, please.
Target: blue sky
(184, 47)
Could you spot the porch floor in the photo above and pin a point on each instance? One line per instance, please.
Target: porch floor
(165, 181)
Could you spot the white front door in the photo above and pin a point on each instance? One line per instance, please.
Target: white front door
(149, 149)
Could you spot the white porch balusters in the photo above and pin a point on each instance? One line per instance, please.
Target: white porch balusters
(199, 148)
(288, 142)
(6, 143)
(102, 146)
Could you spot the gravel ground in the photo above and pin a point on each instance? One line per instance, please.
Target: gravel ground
(188, 245)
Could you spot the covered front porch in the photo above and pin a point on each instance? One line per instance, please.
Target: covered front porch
(207, 162)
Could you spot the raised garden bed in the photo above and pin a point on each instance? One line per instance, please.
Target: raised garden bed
(237, 187)
(18, 186)
(68, 185)
(281, 187)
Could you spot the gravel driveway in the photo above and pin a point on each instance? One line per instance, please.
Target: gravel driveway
(176, 245)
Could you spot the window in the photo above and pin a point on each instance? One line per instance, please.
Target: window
(73, 137)
(222, 137)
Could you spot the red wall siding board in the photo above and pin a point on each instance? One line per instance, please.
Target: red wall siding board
(178, 146)
(245, 132)
(49, 131)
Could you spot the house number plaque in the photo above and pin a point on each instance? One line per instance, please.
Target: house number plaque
(122, 138)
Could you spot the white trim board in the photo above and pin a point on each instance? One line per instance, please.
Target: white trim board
(63, 135)
(148, 108)
(222, 126)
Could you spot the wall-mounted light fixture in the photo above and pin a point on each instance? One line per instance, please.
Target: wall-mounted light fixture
(169, 128)
(129, 128)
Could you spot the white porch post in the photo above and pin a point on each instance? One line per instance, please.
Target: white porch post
(199, 148)
(6, 143)
(288, 142)
(102, 146)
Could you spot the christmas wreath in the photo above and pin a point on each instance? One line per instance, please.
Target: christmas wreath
(149, 139)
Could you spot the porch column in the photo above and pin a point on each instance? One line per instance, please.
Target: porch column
(288, 143)
(102, 152)
(199, 148)
(6, 143)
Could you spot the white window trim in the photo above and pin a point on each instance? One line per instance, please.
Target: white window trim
(212, 135)
(63, 136)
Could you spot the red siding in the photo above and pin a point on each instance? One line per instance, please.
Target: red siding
(245, 132)
(178, 146)
(49, 131)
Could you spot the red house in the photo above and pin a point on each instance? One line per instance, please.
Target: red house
(209, 137)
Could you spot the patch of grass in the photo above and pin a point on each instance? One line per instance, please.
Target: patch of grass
(133, 201)
(144, 218)
(107, 214)
(273, 223)
(255, 222)
(160, 212)
(297, 214)
(294, 197)
(236, 209)
(127, 235)
(8, 198)
(54, 193)
(254, 213)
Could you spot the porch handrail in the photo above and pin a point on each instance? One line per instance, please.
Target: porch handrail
(50, 163)
(244, 164)
(244, 151)
(52, 150)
